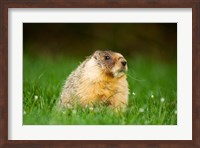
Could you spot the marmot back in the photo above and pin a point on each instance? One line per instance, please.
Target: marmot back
(100, 78)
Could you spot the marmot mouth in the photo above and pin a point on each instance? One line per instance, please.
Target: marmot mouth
(122, 70)
(119, 73)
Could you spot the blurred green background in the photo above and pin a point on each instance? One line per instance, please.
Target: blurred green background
(51, 51)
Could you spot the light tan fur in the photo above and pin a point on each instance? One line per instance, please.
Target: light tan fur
(97, 80)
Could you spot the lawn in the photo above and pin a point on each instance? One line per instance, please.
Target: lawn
(152, 99)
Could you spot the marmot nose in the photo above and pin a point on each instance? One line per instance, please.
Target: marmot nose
(123, 63)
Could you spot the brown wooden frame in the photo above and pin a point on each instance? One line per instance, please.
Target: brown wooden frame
(194, 4)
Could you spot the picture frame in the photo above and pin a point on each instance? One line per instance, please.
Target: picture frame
(195, 5)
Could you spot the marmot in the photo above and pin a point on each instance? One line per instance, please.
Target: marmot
(100, 78)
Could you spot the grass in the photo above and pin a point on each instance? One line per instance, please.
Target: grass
(152, 99)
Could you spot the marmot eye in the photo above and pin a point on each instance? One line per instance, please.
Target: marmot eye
(107, 57)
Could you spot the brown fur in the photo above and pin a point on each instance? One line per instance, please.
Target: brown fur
(98, 79)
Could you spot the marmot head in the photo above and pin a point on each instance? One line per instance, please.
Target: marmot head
(112, 63)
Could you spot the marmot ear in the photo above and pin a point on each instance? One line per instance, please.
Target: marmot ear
(96, 54)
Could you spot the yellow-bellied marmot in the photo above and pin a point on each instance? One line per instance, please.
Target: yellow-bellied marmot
(100, 78)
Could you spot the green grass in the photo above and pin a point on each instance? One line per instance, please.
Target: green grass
(149, 81)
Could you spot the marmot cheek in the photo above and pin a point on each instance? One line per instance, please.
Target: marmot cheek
(114, 71)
